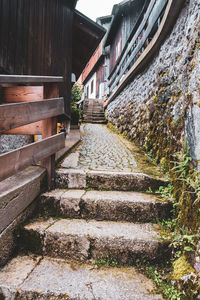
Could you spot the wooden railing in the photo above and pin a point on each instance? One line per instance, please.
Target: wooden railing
(23, 112)
(143, 35)
(166, 23)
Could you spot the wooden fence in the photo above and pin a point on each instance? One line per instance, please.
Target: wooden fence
(23, 112)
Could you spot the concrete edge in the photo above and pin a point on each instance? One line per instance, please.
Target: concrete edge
(18, 198)
(72, 139)
(18, 201)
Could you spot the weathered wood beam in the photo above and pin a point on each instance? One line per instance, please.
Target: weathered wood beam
(18, 114)
(49, 127)
(29, 79)
(32, 129)
(16, 94)
(16, 160)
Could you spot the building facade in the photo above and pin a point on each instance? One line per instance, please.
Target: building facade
(45, 37)
(94, 76)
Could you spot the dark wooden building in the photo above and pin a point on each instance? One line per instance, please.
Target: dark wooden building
(125, 16)
(97, 69)
(134, 25)
(46, 37)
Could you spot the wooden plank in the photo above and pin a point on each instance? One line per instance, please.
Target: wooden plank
(16, 160)
(33, 129)
(29, 79)
(18, 114)
(49, 128)
(19, 192)
(22, 94)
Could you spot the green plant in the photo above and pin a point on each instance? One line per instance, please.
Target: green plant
(166, 191)
(181, 240)
(168, 225)
(76, 112)
(76, 92)
(88, 187)
(149, 191)
(182, 164)
(150, 158)
(194, 182)
(172, 293)
(109, 262)
(160, 277)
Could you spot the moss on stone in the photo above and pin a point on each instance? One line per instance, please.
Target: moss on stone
(181, 267)
(155, 98)
(142, 159)
(162, 139)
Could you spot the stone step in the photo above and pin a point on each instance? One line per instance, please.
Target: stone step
(98, 116)
(94, 117)
(82, 240)
(94, 109)
(29, 277)
(105, 205)
(95, 106)
(94, 122)
(92, 114)
(91, 119)
(120, 181)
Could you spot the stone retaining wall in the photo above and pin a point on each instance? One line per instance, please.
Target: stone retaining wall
(160, 108)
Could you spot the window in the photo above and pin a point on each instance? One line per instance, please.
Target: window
(87, 93)
(118, 49)
(92, 86)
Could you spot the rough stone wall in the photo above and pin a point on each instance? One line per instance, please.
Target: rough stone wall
(11, 142)
(160, 108)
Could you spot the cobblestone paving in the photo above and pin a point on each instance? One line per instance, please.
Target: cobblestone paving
(103, 150)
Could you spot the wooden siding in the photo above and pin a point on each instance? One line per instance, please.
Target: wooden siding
(93, 60)
(170, 14)
(86, 38)
(99, 78)
(123, 28)
(135, 47)
(113, 46)
(35, 39)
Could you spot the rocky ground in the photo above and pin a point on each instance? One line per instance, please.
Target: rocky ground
(101, 150)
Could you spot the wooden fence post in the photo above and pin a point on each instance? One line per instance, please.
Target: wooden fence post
(49, 128)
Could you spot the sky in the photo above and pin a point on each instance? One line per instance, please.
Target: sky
(96, 8)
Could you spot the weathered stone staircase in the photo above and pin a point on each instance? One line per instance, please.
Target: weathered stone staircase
(92, 215)
(93, 111)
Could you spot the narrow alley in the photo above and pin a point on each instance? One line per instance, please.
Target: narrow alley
(100, 150)
(91, 231)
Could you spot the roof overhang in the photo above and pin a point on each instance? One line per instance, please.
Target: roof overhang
(117, 13)
(71, 3)
(86, 37)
